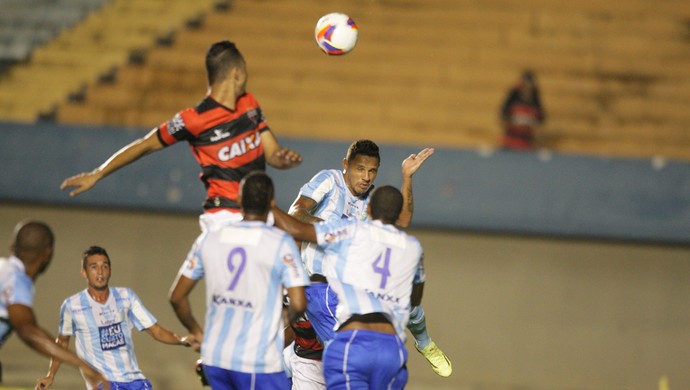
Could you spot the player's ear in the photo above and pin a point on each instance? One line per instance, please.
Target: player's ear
(344, 165)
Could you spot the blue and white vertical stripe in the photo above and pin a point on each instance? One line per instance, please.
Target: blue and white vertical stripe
(246, 266)
(334, 201)
(103, 332)
(374, 267)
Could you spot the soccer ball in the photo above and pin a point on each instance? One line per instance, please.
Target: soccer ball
(336, 34)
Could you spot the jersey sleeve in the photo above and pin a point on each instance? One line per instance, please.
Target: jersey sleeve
(66, 326)
(332, 234)
(141, 318)
(294, 274)
(177, 128)
(19, 292)
(319, 186)
(193, 267)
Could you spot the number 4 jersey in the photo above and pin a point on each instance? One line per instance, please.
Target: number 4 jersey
(246, 265)
(371, 267)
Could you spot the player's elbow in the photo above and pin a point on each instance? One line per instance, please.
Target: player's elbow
(176, 300)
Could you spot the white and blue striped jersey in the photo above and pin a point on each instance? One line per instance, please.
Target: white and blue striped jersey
(16, 288)
(371, 267)
(246, 266)
(103, 332)
(334, 201)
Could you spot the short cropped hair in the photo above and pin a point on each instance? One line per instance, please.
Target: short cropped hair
(257, 192)
(31, 237)
(364, 147)
(220, 58)
(93, 250)
(386, 203)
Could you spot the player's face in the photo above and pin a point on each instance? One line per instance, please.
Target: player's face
(360, 173)
(97, 272)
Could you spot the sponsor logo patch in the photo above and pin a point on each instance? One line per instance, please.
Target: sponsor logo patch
(111, 336)
(175, 124)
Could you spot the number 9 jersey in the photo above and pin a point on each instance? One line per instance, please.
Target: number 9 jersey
(246, 266)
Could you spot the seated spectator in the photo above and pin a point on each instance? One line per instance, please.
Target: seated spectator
(522, 114)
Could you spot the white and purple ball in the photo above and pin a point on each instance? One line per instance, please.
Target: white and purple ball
(336, 34)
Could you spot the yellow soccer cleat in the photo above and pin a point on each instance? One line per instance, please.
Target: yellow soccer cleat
(439, 361)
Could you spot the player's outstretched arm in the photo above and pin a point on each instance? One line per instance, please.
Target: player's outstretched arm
(130, 153)
(297, 229)
(165, 336)
(277, 156)
(302, 208)
(24, 322)
(410, 165)
(47, 381)
(179, 299)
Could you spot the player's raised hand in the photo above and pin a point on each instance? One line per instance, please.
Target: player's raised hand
(287, 158)
(411, 164)
(82, 182)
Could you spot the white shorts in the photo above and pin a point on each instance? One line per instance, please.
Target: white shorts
(307, 374)
(212, 221)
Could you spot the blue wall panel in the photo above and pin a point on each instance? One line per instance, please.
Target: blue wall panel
(533, 193)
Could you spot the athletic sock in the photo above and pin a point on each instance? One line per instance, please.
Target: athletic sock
(417, 326)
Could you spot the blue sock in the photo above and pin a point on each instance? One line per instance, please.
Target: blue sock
(417, 326)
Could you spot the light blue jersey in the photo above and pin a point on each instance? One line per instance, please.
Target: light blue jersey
(246, 266)
(16, 288)
(334, 201)
(373, 268)
(103, 332)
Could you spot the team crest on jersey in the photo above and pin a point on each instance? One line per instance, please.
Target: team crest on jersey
(191, 263)
(289, 260)
(112, 336)
(175, 124)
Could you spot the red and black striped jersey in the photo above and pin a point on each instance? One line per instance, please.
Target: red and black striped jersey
(307, 345)
(225, 142)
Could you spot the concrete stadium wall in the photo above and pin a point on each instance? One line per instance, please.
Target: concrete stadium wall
(499, 191)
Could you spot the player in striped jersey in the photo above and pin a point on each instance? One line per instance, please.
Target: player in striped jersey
(226, 131)
(32, 251)
(101, 319)
(246, 265)
(340, 194)
(377, 273)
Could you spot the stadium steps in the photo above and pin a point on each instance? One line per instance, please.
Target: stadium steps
(104, 40)
(614, 77)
